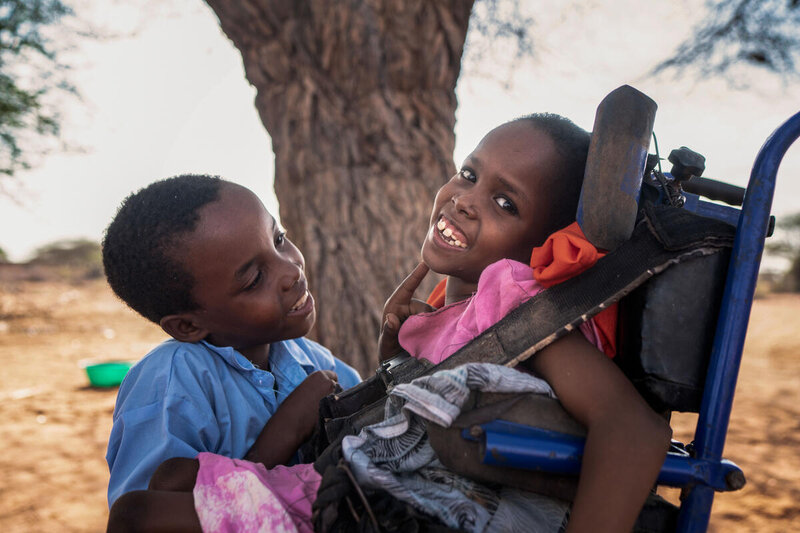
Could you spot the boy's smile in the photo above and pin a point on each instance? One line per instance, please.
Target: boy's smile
(495, 207)
(249, 279)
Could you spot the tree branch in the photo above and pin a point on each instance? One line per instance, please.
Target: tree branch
(753, 33)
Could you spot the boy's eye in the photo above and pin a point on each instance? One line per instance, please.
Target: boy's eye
(280, 238)
(468, 175)
(256, 281)
(506, 204)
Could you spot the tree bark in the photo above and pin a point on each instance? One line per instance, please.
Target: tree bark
(358, 97)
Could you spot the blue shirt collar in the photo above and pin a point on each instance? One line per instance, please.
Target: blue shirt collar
(281, 353)
(289, 365)
(231, 356)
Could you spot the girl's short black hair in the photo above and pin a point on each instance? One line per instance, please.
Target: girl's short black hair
(572, 144)
(141, 245)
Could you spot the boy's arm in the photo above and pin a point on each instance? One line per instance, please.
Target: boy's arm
(293, 421)
(142, 437)
(626, 440)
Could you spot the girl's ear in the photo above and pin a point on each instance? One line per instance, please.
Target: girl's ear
(182, 327)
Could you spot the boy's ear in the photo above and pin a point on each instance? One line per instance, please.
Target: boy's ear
(183, 327)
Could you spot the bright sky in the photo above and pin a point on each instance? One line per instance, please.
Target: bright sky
(173, 99)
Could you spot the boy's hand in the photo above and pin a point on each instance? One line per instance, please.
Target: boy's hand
(401, 305)
(302, 404)
(294, 421)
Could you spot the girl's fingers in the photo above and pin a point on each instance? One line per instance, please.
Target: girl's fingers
(405, 291)
(397, 306)
(392, 322)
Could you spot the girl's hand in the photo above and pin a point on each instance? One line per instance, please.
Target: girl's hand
(401, 305)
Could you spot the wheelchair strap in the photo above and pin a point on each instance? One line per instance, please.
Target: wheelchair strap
(663, 236)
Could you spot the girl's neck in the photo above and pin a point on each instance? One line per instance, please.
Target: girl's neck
(458, 289)
(258, 355)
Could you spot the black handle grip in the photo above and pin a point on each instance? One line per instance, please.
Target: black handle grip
(714, 190)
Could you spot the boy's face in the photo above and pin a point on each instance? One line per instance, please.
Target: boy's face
(249, 279)
(496, 206)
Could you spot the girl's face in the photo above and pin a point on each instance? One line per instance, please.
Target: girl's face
(249, 279)
(495, 207)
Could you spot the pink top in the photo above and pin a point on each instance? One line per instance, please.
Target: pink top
(503, 286)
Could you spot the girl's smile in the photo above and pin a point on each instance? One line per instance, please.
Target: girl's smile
(449, 234)
(495, 207)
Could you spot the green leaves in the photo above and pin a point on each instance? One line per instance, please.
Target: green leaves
(28, 62)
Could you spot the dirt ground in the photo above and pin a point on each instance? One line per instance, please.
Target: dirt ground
(54, 426)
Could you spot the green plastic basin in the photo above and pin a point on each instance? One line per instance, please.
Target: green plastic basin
(107, 373)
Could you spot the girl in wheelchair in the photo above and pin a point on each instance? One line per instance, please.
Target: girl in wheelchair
(521, 184)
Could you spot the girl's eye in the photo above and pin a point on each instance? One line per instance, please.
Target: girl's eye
(506, 204)
(256, 281)
(280, 239)
(468, 175)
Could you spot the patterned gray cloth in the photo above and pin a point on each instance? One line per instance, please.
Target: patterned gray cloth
(395, 454)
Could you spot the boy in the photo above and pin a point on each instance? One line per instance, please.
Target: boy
(204, 259)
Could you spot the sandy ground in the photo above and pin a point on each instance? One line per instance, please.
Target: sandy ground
(54, 426)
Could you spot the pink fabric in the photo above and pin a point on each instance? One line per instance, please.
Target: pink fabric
(503, 286)
(233, 495)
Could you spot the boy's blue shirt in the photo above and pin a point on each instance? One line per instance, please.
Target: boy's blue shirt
(185, 398)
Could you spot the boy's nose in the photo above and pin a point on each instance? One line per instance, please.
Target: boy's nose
(290, 275)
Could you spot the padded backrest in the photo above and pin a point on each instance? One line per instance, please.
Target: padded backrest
(666, 331)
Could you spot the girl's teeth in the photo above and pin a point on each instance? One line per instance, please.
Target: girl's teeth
(447, 233)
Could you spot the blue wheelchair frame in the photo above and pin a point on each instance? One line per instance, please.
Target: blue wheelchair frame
(704, 471)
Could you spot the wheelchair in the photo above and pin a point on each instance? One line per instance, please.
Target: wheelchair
(679, 346)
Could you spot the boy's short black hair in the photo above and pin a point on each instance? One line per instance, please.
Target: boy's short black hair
(140, 243)
(572, 144)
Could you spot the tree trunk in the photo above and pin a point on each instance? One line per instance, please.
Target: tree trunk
(359, 99)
